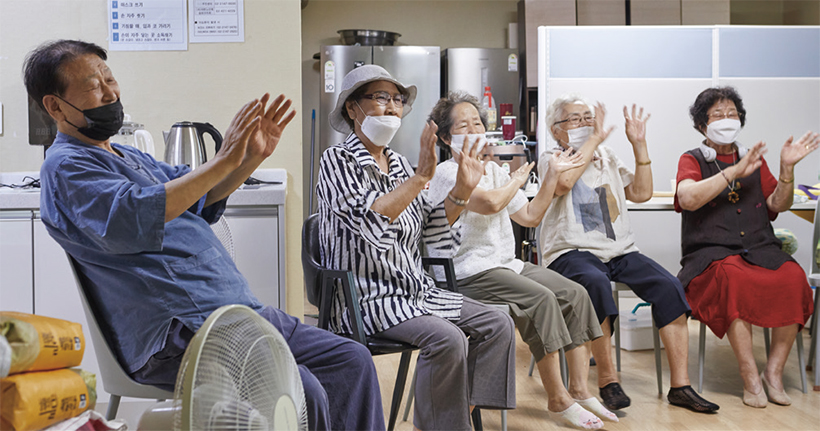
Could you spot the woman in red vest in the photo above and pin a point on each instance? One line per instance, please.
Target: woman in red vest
(733, 270)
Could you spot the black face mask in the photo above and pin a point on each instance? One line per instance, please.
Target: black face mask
(103, 121)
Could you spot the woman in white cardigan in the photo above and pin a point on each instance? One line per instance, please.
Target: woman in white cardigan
(551, 312)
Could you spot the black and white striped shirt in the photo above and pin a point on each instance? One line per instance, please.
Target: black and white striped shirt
(384, 257)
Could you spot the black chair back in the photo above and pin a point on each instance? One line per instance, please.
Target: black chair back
(319, 283)
(310, 260)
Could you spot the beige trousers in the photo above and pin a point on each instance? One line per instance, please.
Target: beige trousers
(549, 310)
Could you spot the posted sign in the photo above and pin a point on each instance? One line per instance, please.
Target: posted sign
(147, 25)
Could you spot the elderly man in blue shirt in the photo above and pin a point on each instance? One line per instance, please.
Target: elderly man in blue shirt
(139, 229)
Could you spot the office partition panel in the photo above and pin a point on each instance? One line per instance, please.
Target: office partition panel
(776, 70)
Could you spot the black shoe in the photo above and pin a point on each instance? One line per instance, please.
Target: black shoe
(687, 397)
(614, 397)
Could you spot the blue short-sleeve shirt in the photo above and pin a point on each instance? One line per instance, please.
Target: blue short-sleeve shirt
(108, 212)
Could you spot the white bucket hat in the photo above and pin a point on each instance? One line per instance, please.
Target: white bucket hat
(361, 76)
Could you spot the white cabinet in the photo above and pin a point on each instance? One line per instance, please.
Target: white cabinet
(16, 267)
(257, 239)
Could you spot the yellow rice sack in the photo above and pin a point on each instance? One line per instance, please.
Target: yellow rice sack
(32, 401)
(41, 343)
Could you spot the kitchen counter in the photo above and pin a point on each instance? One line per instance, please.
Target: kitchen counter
(246, 195)
(19, 198)
(11, 199)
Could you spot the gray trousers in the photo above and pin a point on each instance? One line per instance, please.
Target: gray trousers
(551, 311)
(461, 363)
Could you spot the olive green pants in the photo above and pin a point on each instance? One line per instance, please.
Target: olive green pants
(549, 310)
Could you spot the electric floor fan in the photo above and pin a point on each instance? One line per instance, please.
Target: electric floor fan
(237, 374)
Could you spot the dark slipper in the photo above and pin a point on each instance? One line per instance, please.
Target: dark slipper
(687, 397)
(614, 397)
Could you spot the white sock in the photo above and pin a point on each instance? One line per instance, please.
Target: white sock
(576, 416)
(595, 406)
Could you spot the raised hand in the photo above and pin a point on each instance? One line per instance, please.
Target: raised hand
(635, 126)
(271, 125)
(793, 152)
(244, 124)
(427, 151)
(599, 130)
(562, 161)
(470, 169)
(522, 174)
(750, 162)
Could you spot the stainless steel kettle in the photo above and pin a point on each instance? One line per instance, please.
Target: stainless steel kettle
(184, 143)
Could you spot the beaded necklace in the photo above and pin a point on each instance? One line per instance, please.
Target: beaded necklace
(733, 196)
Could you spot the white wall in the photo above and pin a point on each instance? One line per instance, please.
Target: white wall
(208, 82)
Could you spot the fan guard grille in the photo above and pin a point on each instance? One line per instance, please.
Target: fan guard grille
(235, 372)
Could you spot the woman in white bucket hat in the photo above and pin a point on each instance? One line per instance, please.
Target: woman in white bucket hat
(374, 212)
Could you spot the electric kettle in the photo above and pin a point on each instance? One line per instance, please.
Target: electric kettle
(184, 143)
(135, 135)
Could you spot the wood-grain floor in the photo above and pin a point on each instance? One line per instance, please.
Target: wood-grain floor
(649, 411)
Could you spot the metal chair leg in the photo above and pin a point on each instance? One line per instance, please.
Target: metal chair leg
(701, 354)
(410, 396)
(814, 352)
(532, 364)
(766, 341)
(801, 362)
(656, 338)
(816, 357)
(476, 415)
(813, 327)
(562, 359)
(813, 345)
(113, 406)
(616, 326)
(401, 378)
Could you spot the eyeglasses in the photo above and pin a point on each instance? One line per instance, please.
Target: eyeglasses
(383, 98)
(576, 120)
(721, 115)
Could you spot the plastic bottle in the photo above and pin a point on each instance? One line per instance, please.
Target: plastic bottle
(533, 119)
(488, 103)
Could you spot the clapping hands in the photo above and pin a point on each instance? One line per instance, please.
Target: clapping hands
(427, 152)
(470, 168)
(272, 123)
(562, 161)
(599, 130)
(522, 174)
(794, 151)
(635, 126)
(254, 131)
(750, 162)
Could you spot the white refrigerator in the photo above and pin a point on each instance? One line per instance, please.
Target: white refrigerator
(472, 69)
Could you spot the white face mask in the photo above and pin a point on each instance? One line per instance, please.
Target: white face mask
(578, 136)
(457, 141)
(723, 132)
(380, 129)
